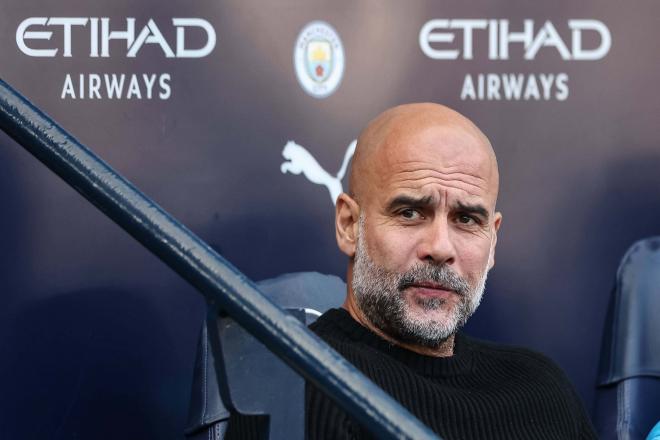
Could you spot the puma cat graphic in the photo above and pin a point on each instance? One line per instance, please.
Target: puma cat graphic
(299, 160)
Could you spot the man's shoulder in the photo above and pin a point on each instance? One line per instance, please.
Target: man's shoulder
(523, 357)
(355, 342)
(537, 371)
(335, 322)
(329, 314)
(500, 349)
(328, 322)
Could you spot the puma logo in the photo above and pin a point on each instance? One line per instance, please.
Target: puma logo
(299, 160)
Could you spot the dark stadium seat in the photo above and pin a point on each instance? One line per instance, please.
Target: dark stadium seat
(255, 382)
(628, 393)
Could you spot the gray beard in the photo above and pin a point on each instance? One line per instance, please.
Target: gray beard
(380, 296)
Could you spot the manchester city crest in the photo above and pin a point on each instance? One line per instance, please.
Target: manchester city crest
(318, 59)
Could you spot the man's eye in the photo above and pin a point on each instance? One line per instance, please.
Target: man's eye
(410, 214)
(466, 219)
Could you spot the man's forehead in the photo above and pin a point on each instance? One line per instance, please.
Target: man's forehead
(442, 146)
(405, 142)
(435, 157)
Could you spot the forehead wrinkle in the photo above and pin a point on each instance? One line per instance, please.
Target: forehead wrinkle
(446, 180)
(448, 173)
(448, 170)
(448, 186)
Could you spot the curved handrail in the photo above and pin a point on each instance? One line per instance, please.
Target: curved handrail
(222, 284)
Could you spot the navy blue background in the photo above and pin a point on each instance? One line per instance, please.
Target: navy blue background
(97, 337)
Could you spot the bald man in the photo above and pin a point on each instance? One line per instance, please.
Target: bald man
(419, 226)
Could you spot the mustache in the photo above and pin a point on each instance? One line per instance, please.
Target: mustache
(442, 275)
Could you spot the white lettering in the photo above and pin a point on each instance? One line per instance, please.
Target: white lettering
(22, 33)
(546, 84)
(150, 34)
(547, 36)
(513, 85)
(114, 87)
(493, 86)
(181, 24)
(579, 53)
(106, 35)
(94, 86)
(492, 39)
(524, 37)
(133, 88)
(437, 36)
(67, 89)
(149, 81)
(94, 37)
(111, 86)
(163, 81)
(468, 26)
(66, 24)
(562, 87)
(532, 89)
(427, 36)
(468, 88)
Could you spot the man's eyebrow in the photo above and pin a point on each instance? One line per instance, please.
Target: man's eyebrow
(473, 209)
(409, 201)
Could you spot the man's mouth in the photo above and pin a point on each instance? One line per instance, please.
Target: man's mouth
(430, 288)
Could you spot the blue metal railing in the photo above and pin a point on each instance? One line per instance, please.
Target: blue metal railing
(221, 283)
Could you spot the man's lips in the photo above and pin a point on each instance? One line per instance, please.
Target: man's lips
(431, 289)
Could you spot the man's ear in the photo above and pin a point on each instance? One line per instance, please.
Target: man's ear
(347, 214)
(496, 227)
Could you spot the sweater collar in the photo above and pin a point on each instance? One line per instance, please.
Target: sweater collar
(459, 363)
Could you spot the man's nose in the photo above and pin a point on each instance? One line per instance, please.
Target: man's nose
(436, 244)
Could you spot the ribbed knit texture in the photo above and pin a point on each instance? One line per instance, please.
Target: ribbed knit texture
(483, 391)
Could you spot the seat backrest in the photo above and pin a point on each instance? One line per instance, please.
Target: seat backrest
(628, 394)
(254, 382)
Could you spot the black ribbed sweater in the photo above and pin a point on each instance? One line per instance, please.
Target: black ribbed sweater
(483, 391)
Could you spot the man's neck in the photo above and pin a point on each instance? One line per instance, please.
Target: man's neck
(445, 349)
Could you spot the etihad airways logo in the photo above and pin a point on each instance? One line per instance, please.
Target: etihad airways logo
(499, 37)
(582, 40)
(33, 29)
(92, 37)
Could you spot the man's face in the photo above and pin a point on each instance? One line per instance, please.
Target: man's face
(426, 235)
(382, 296)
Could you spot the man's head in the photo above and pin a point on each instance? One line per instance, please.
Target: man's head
(419, 224)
